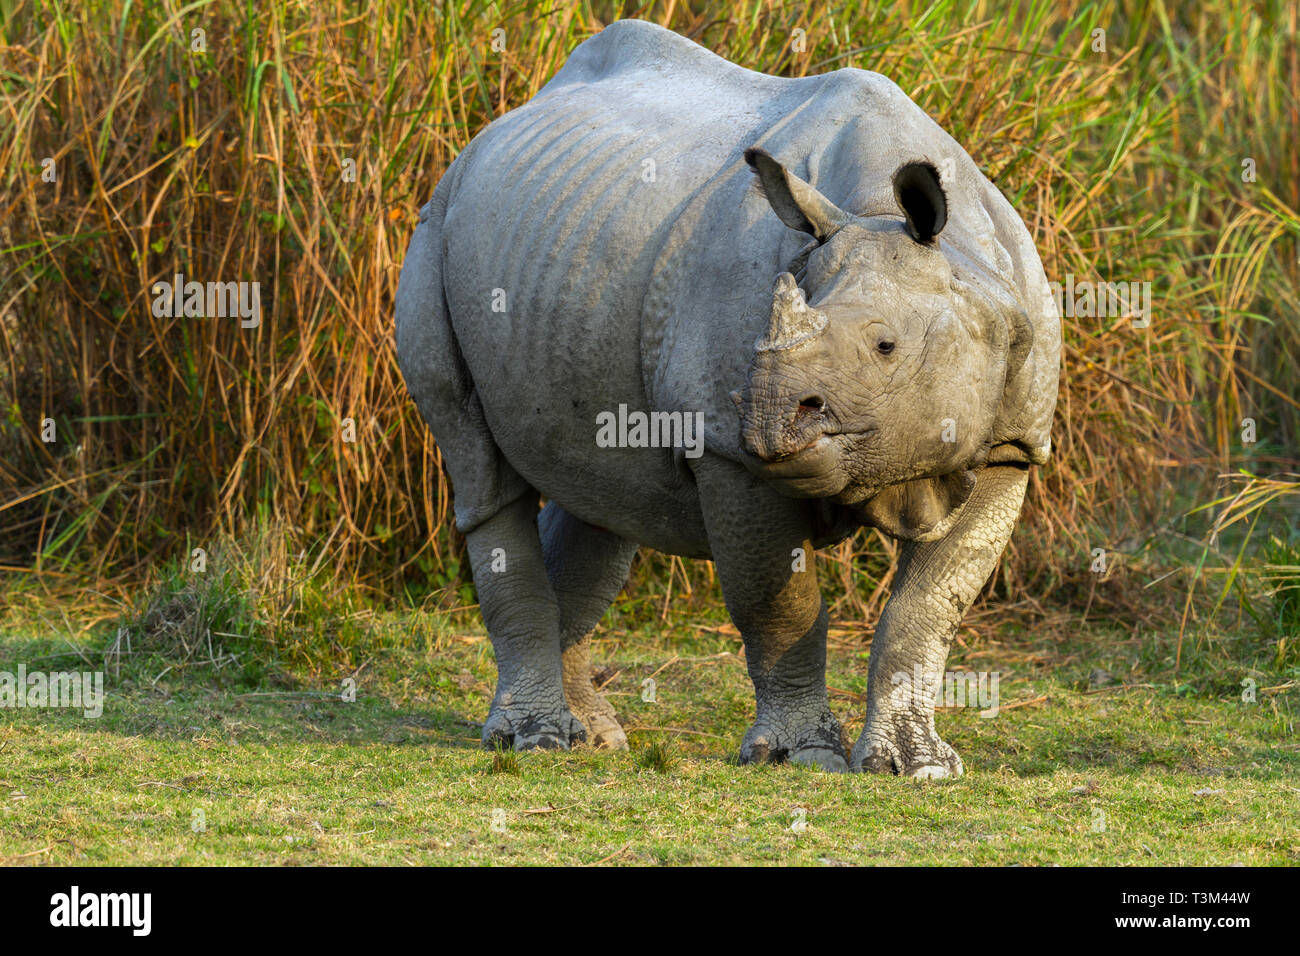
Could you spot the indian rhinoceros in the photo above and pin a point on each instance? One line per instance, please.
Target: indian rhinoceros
(732, 316)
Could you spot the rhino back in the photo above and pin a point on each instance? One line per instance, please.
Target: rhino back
(565, 203)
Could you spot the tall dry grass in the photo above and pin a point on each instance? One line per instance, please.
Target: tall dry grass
(227, 164)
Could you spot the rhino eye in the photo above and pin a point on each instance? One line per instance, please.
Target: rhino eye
(885, 346)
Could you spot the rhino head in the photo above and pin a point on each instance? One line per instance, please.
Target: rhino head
(882, 371)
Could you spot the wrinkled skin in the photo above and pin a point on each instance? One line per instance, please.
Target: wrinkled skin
(811, 265)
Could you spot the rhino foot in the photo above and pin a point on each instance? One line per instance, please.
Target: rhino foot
(813, 741)
(522, 728)
(919, 754)
(604, 732)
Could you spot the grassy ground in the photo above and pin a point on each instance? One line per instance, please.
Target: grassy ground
(202, 767)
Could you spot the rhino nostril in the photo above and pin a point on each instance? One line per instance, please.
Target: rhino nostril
(811, 405)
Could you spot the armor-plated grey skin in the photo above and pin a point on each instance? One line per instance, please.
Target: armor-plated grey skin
(813, 265)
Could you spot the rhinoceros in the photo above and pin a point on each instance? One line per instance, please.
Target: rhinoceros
(727, 316)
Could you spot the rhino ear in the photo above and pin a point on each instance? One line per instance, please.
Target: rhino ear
(920, 510)
(795, 203)
(920, 195)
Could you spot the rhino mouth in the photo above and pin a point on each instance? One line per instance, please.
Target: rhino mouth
(813, 471)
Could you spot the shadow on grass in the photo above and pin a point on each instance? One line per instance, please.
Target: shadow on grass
(147, 698)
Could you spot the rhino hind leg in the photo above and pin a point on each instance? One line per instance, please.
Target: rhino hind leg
(935, 584)
(496, 509)
(523, 620)
(587, 567)
(761, 543)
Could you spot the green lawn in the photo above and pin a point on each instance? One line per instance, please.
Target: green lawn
(1140, 770)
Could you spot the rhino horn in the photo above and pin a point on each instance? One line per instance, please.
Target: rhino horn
(793, 321)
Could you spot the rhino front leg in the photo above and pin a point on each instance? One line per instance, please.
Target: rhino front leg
(587, 567)
(935, 584)
(761, 544)
(523, 619)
